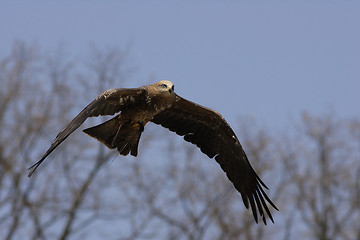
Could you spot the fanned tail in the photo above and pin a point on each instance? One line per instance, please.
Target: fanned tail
(115, 133)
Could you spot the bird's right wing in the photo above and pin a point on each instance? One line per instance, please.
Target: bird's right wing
(108, 103)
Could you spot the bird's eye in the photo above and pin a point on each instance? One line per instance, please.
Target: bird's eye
(164, 85)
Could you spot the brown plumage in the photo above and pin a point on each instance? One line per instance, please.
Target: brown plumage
(158, 103)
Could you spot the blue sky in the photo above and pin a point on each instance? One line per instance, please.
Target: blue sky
(266, 59)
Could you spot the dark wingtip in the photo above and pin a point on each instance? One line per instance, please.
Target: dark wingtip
(259, 203)
(34, 167)
(32, 170)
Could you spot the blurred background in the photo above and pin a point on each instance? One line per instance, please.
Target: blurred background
(285, 75)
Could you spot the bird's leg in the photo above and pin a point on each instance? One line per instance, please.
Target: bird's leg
(141, 123)
(137, 124)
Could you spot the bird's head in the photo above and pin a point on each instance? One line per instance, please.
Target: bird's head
(165, 85)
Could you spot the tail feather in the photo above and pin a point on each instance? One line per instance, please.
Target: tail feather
(115, 133)
(105, 132)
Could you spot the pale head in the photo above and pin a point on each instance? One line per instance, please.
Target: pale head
(165, 85)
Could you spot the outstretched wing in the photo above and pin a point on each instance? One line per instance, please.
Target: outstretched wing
(209, 131)
(108, 103)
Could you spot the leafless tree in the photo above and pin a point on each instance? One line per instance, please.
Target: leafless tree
(36, 101)
(325, 174)
(171, 190)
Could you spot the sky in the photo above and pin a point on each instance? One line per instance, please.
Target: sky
(269, 60)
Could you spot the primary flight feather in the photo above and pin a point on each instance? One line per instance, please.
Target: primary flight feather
(158, 103)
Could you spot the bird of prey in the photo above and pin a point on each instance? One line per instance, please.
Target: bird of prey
(158, 103)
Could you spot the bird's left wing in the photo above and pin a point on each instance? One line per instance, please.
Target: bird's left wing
(108, 103)
(209, 131)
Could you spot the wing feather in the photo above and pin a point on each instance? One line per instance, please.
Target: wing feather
(107, 103)
(209, 131)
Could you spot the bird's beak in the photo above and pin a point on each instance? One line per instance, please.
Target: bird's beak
(171, 89)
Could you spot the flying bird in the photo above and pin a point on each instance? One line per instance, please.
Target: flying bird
(158, 103)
